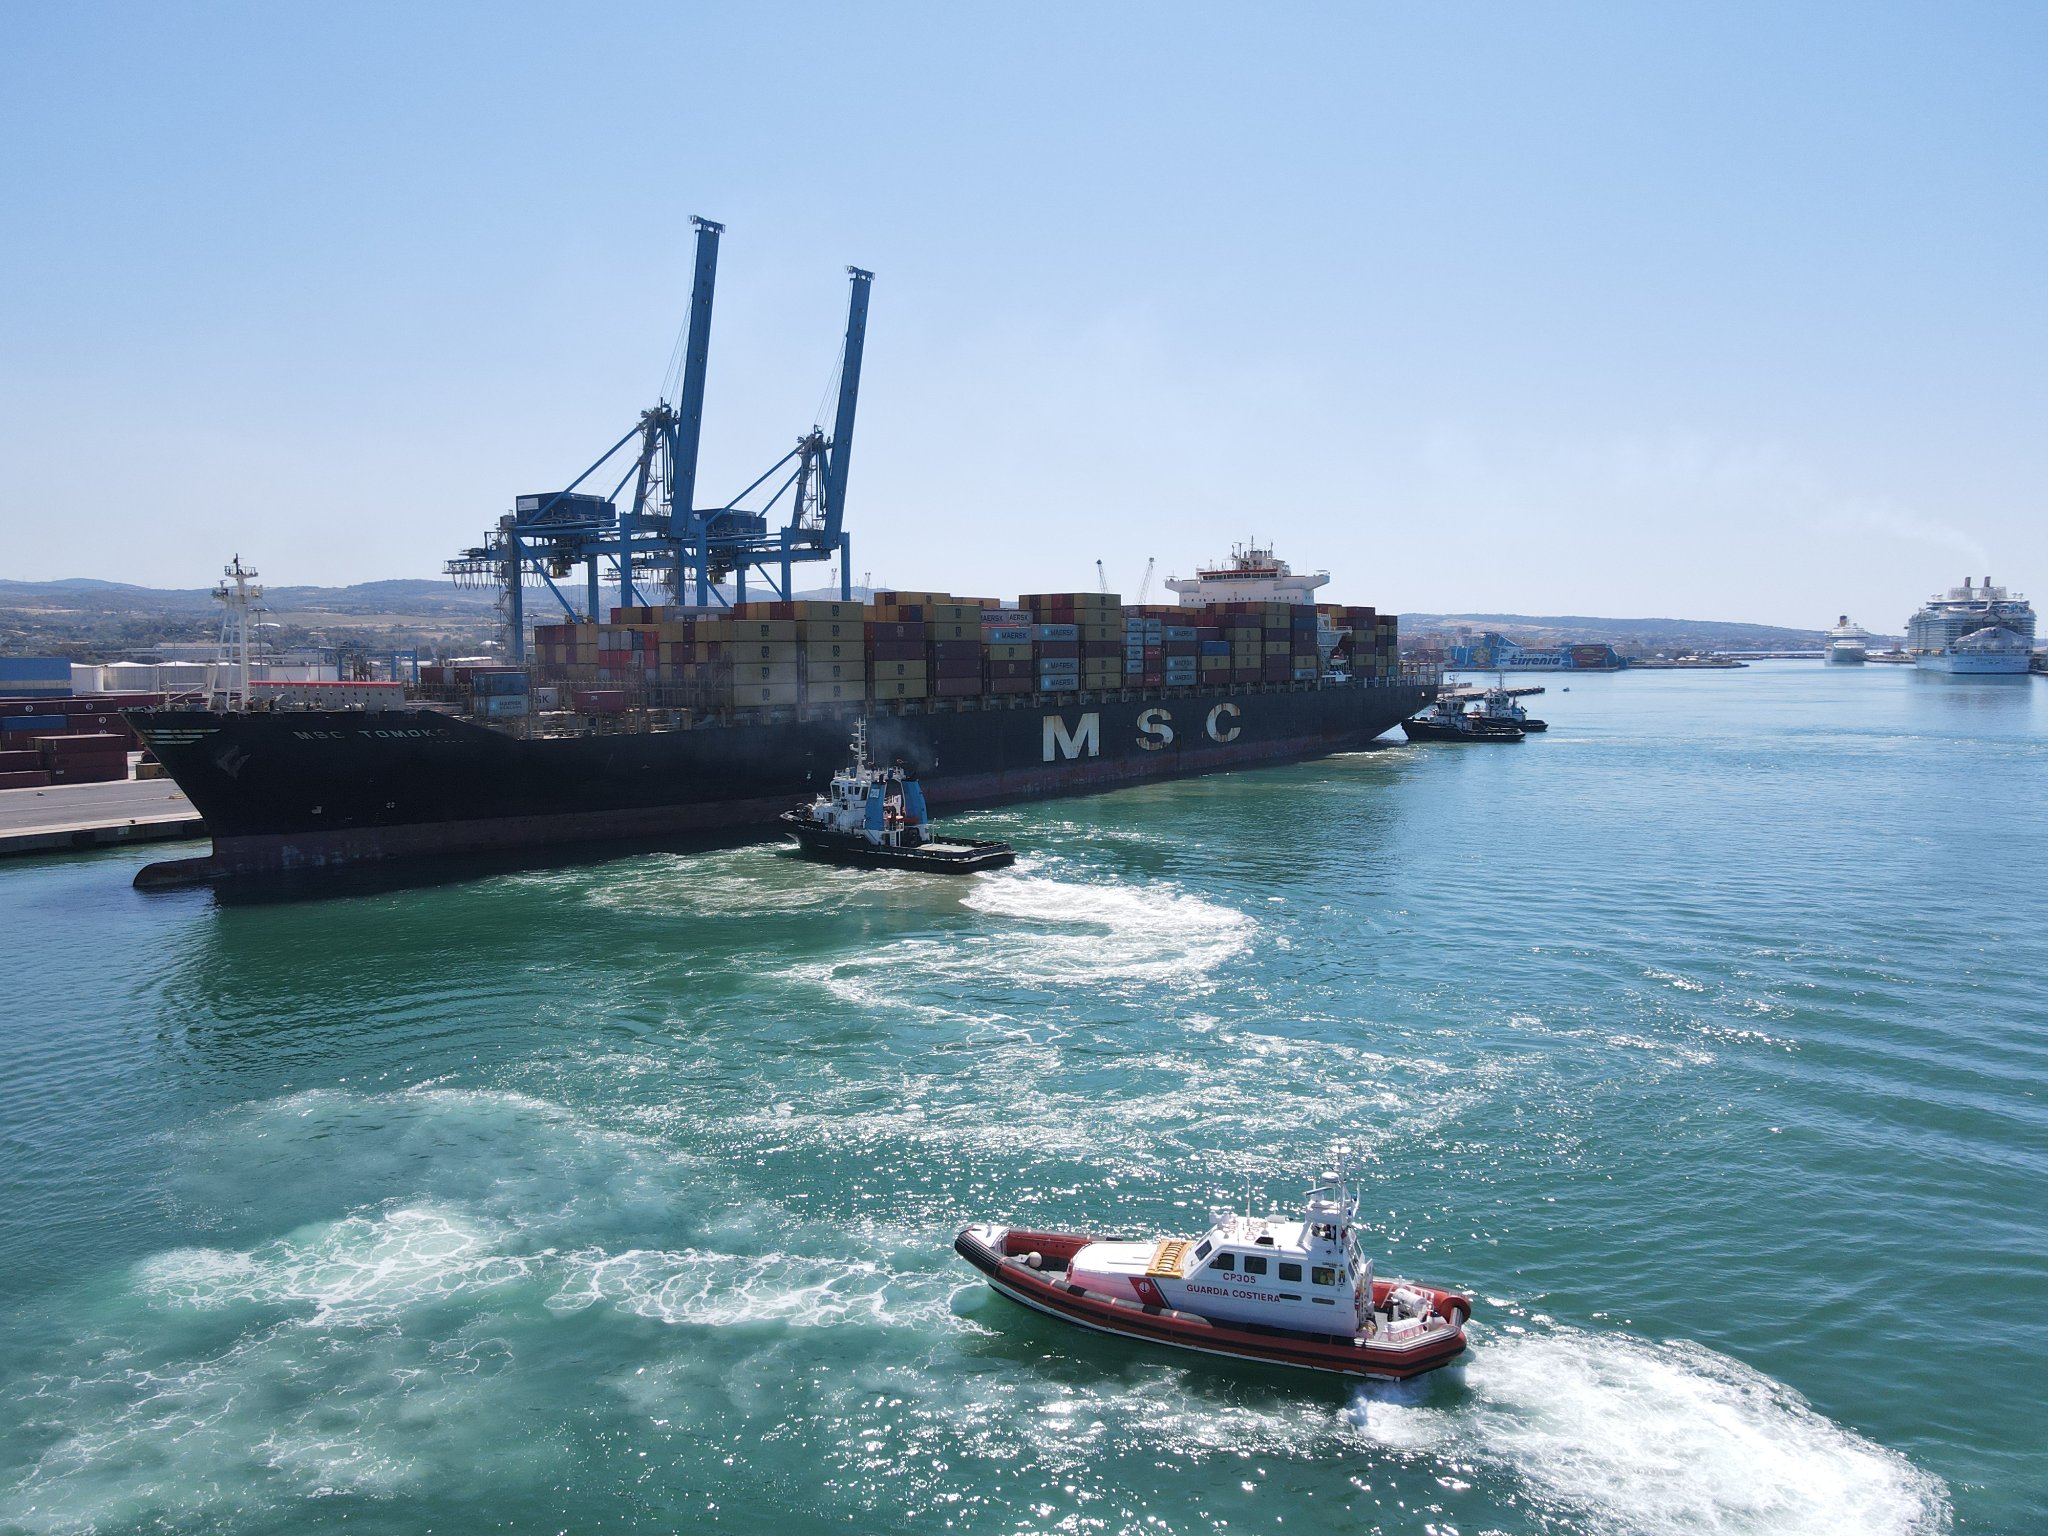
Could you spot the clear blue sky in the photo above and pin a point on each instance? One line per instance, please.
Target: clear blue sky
(1723, 310)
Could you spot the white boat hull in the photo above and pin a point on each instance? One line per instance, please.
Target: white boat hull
(1991, 664)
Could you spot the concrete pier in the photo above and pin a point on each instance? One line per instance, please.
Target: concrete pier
(62, 817)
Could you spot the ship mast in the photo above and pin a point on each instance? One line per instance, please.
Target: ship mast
(237, 604)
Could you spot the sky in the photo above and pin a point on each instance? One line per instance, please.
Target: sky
(1716, 311)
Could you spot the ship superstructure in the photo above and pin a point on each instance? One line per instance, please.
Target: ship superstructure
(1974, 630)
(1253, 574)
(1848, 644)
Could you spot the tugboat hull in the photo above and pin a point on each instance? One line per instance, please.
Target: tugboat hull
(946, 856)
(1004, 1256)
(1431, 730)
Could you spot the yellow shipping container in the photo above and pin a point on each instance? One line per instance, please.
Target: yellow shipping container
(1279, 647)
(1102, 634)
(764, 629)
(754, 674)
(914, 669)
(817, 671)
(808, 630)
(953, 613)
(898, 688)
(835, 650)
(756, 695)
(1009, 652)
(769, 651)
(813, 612)
(825, 693)
(948, 629)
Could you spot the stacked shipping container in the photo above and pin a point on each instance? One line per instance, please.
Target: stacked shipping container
(931, 645)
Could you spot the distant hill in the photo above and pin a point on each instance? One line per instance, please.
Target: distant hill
(1633, 635)
(83, 593)
(90, 619)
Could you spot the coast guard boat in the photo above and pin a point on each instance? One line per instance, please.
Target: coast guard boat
(1285, 1292)
(873, 815)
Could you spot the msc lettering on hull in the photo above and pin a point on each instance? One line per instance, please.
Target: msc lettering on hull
(1155, 732)
(1087, 735)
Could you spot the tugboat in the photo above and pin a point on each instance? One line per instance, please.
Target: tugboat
(1497, 705)
(877, 816)
(1444, 721)
(1282, 1292)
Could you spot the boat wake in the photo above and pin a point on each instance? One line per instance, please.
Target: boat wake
(1619, 1434)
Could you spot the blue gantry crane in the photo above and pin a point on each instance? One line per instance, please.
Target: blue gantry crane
(663, 540)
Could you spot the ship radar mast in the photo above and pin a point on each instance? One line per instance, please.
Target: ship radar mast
(231, 655)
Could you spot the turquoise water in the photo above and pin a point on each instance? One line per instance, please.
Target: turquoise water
(1704, 1040)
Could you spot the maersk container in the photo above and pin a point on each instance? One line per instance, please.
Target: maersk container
(1056, 632)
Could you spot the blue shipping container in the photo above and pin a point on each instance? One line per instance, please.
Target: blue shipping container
(34, 722)
(35, 669)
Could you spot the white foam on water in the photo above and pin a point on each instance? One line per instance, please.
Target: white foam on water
(1137, 932)
(713, 1289)
(1043, 934)
(1635, 1437)
(358, 1270)
(758, 880)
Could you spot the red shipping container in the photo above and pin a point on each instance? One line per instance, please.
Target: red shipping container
(1009, 685)
(30, 778)
(949, 650)
(1003, 669)
(896, 650)
(1057, 650)
(957, 666)
(957, 687)
(20, 762)
(87, 770)
(599, 701)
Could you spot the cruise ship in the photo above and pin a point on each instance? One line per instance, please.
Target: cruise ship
(1848, 643)
(1979, 630)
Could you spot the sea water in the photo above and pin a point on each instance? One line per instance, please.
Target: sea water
(1703, 1040)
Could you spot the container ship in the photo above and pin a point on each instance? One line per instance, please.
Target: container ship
(672, 720)
(713, 711)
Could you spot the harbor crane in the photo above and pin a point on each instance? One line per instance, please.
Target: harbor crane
(1144, 585)
(663, 539)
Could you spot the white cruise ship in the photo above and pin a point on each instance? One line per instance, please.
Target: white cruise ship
(1847, 644)
(1979, 630)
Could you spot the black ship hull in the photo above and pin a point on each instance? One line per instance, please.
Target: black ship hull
(299, 790)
